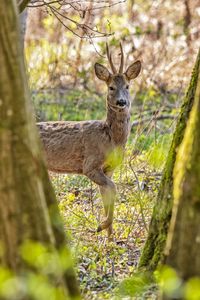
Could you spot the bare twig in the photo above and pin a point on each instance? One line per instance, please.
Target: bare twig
(61, 13)
(145, 120)
(139, 198)
(89, 31)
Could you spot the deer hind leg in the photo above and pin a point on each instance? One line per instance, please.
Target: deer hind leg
(108, 191)
(107, 209)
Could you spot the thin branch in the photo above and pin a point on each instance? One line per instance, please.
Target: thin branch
(84, 27)
(79, 25)
(145, 120)
(75, 6)
(98, 7)
(72, 31)
(64, 3)
(45, 3)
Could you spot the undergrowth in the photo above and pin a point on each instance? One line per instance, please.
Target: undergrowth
(101, 266)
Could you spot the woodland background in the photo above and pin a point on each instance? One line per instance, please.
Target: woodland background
(63, 41)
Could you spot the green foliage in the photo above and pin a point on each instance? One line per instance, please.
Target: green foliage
(156, 155)
(68, 105)
(115, 158)
(43, 281)
(173, 287)
(191, 289)
(30, 285)
(47, 261)
(169, 281)
(135, 285)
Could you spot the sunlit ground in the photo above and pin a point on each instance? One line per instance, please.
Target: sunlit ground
(101, 265)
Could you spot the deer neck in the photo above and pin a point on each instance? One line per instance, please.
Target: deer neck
(118, 122)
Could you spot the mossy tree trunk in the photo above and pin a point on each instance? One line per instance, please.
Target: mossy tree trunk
(28, 208)
(153, 250)
(183, 241)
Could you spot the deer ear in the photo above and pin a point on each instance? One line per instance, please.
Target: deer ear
(133, 70)
(101, 72)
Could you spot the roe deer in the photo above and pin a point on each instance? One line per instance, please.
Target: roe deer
(87, 147)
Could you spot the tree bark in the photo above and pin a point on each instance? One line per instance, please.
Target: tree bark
(154, 247)
(28, 208)
(23, 21)
(183, 241)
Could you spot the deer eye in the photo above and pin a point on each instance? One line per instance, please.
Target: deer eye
(127, 87)
(111, 88)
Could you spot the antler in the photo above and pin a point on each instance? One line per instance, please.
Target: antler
(110, 59)
(111, 62)
(122, 60)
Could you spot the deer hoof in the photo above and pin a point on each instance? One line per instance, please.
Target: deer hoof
(99, 228)
(104, 225)
(111, 238)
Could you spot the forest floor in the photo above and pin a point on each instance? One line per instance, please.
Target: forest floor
(101, 265)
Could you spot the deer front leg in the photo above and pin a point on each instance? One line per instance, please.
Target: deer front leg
(104, 198)
(108, 204)
(108, 190)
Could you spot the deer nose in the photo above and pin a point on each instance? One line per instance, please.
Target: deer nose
(121, 102)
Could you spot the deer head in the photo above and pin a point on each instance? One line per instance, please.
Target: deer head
(118, 81)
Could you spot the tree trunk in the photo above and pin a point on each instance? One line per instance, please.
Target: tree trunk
(183, 241)
(28, 209)
(154, 247)
(23, 14)
(23, 21)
